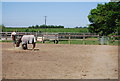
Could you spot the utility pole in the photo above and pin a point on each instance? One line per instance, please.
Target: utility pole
(45, 19)
(45, 22)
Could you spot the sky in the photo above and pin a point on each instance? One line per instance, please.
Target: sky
(56, 0)
(67, 14)
(0, 13)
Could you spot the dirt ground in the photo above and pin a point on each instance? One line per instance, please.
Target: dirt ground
(60, 61)
(0, 62)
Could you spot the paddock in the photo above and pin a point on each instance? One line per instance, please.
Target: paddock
(60, 61)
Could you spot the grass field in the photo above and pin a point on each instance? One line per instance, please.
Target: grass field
(85, 42)
(75, 30)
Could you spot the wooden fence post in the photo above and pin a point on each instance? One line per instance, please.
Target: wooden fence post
(83, 38)
(42, 38)
(69, 39)
(107, 40)
(6, 36)
(98, 40)
(36, 34)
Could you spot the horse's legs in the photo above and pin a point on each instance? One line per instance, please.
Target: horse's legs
(24, 46)
(34, 44)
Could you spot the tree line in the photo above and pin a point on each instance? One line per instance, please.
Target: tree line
(46, 26)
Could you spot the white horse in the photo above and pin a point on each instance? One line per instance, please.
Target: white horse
(26, 39)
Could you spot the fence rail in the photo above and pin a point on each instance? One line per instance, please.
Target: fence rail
(60, 36)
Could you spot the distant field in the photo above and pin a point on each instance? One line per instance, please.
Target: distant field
(76, 30)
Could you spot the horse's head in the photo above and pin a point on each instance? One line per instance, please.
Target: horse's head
(18, 42)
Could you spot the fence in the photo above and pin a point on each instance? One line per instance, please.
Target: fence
(70, 38)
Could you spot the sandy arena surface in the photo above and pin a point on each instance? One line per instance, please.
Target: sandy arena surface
(0, 62)
(60, 61)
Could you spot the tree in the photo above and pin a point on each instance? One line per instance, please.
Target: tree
(105, 19)
(27, 30)
(37, 26)
(2, 28)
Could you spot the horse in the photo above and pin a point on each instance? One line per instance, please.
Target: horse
(26, 39)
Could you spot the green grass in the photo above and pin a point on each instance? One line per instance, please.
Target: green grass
(85, 42)
(6, 41)
(114, 42)
(81, 42)
(63, 42)
(74, 30)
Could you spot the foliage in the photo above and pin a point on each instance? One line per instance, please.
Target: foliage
(105, 19)
(76, 30)
(46, 26)
(2, 28)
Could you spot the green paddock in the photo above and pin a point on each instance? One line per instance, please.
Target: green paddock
(79, 42)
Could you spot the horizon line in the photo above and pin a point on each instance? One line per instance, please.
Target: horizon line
(48, 25)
